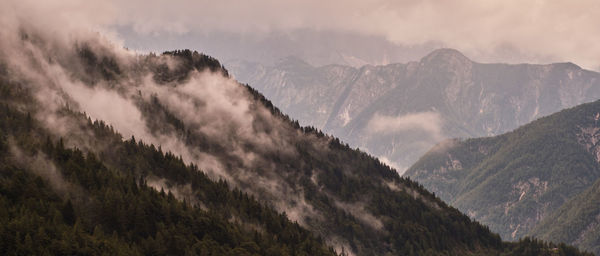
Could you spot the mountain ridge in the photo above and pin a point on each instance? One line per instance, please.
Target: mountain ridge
(470, 99)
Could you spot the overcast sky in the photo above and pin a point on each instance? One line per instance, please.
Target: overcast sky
(486, 31)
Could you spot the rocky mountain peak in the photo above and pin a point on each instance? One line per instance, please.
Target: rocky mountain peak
(291, 62)
(446, 56)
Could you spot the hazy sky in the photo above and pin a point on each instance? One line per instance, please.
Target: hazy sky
(486, 31)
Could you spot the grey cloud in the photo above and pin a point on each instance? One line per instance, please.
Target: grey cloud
(358, 211)
(181, 192)
(392, 164)
(420, 129)
(506, 31)
(39, 165)
(429, 122)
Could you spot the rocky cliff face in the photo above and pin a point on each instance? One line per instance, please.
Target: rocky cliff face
(399, 111)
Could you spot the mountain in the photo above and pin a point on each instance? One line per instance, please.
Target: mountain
(399, 111)
(104, 151)
(539, 180)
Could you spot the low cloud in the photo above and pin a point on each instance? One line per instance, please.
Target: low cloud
(40, 165)
(102, 104)
(420, 130)
(181, 192)
(445, 145)
(400, 169)
(358, 211)
(429, 122)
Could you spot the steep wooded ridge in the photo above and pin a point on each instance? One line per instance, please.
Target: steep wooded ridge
(539, 180)
(63, 201)
(235, 175)
(399, 111)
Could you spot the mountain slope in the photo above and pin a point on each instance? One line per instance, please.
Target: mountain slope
(399, 111)
(538, 174)
(58, 201)
(84, 95)
(576, 222)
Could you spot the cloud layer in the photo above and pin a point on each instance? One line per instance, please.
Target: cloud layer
(488, 31)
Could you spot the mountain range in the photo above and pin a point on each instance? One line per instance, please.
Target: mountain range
(398, 111)
(539, 180)
(317, 47)
(105, 151)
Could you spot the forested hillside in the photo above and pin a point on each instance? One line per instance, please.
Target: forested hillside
(540, 179)
(57, 200)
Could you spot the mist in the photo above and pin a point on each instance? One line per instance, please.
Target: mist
(216, 111)
(428, 122)
(420, 130)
